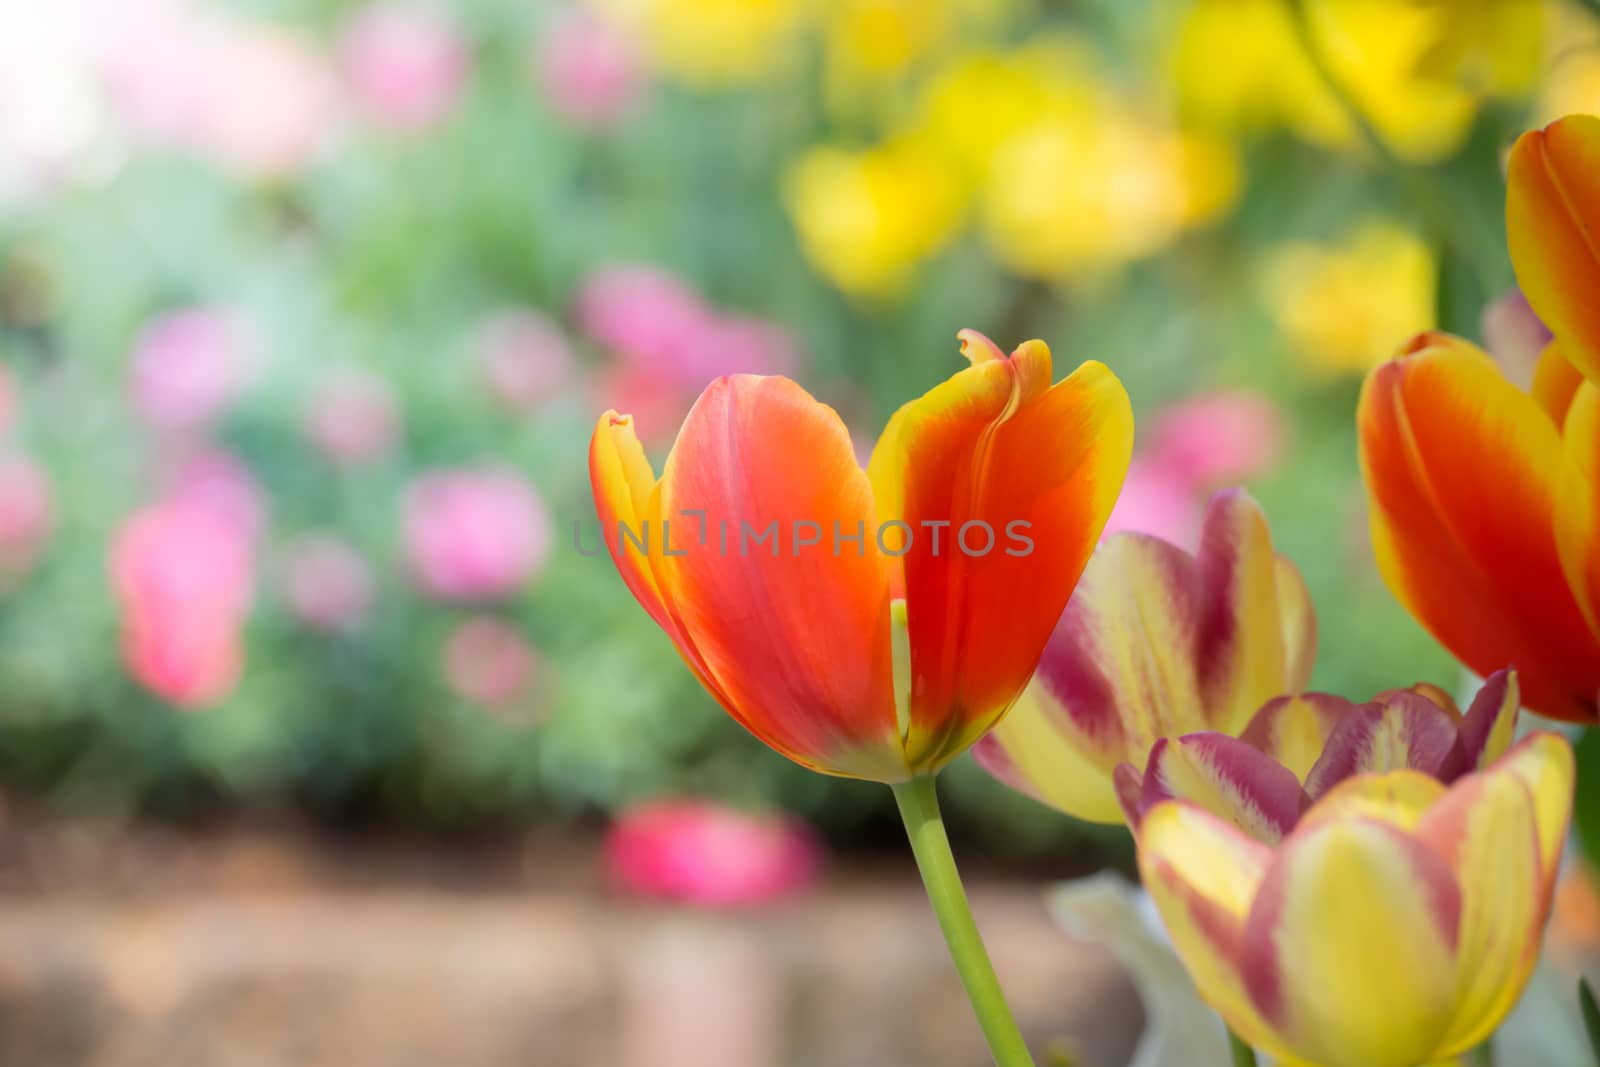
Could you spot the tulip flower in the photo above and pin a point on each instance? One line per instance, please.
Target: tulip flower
(1396, 923)
(1156, 643)
(886, 656)
(1298, 749)
(884, 619)
(1510, 575)
(474, 534)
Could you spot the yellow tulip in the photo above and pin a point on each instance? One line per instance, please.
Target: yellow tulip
(1397, 922)
(713, 44)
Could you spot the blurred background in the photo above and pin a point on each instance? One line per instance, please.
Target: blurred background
(308, 666)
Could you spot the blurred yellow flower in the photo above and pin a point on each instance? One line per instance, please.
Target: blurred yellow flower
(1069, 174)
(1341, 306)
(1418, 69)
(872, 45)
(713, 44)
(1571, 82)
(866, 219)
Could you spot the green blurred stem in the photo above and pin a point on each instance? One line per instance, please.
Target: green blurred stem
(1483, 1055)
(1242, 1055)
(919, 808)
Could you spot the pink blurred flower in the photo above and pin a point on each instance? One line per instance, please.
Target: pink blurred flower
(475, 534)
(589, 69)
(654, 323)
(1159, 501)
(1515, 336)
(655, 402)
(406, 63)
(189, 365)
(702, 853)
(1219, 438)
(641, 313)
(215, 480)
(182, 576)
(487, 661)
(524, 358)
(353, 417)
(272, 100)
(27, 517)
(327, 583)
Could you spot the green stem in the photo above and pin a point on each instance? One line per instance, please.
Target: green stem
(1242, 1054)
(919, 808)
(1483, 1055)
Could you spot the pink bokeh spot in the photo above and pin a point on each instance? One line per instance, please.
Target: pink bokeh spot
(353, 417)
(475, 535)
(696, 852)
(590, 71)
(1219, 438)
(1158, 501)
(27, 517)
(406, 65)
(487, 661)
(524, 358)
(182, 577)
(328, 584)
(188, 367)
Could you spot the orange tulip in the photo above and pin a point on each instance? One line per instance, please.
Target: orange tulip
(869, 623)
(1485, 499)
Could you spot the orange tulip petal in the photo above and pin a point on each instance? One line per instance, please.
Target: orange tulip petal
(1555, 383)
(1553, 223)
(1461, 471)
(1577, 508)
(1005, 483)
(795, 634)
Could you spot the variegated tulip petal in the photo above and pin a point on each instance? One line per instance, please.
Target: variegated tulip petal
(1555, 383)
(1027, 753)
(1202, 875)
(1491, 722)
(1119, 672)
(797, 638)
(1299, 626)
(1487, 831)
(1544, 763)
(1294, 729)
(993, 452)
(1406, 731)
(1397, 798)
(1553, 222)
(1461, 469)
(1577, 502)
(1350, 947)
(1228, 778)
(1243, 653)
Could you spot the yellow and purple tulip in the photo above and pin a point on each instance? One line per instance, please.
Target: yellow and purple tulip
(1485, 498)
(1298, 749)
(1156, 643)
(900, 609)
(1395, 924)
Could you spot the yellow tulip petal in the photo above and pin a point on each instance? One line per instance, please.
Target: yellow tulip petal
(1577, 502)
(1202, 875)
(1487, 830)
(1350, 947)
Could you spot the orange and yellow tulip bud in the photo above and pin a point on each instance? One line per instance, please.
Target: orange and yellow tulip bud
(1464, 476)
(1485, 499)
(1298, 749)
(1156, 643)
(869, 623)
(1397, 922)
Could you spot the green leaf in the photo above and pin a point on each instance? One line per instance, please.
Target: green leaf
(1591, 1016)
